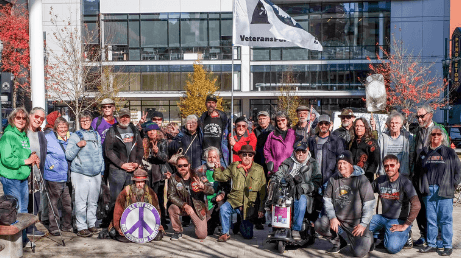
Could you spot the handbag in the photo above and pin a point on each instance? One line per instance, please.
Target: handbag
(175, 156)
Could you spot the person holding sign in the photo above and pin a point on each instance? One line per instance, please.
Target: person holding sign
(136, 192)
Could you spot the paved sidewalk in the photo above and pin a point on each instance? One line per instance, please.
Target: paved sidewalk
(189, 246)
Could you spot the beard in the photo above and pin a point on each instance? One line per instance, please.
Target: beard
(209, 165)
(302, 120)
(345, 124)
(123, 125)
(139, 193)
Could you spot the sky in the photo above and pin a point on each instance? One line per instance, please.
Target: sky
(455, 18)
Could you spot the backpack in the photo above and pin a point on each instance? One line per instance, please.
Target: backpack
(103, 209)
(9, 206)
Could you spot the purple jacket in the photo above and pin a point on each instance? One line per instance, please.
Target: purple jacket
(277, 150)
(102, 128)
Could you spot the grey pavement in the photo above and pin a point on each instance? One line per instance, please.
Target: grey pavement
(189, 246)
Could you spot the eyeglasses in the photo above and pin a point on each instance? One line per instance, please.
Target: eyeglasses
(241, 126)
(281, 120)
(23, 118)
(182, 165)
(436, 134)
(39, 117)
(301, 151)
(191, 123)
(250, 155)
(324, 123)
(106, 107)
(346, 117)
(389, 165)
(85, 121)
(421, 116)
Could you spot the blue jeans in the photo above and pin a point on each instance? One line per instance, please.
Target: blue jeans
(393, 241)
(299, 211)
(86, 192)
(20, 190)
(439, 211)
(225, 213)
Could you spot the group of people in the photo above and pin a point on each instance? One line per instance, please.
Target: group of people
(212, 168)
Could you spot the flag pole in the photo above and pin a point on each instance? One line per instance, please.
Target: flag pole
(232, 82)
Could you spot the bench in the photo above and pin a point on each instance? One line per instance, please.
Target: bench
(11, 236)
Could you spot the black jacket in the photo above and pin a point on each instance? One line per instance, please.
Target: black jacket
(183, 140)
(115, 148)
(159, 162)
(344, 135)
(450, 177)
(366, 155)
(331, 149)
(261, 137)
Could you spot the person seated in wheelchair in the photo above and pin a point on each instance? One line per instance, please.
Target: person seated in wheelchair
(301, 172)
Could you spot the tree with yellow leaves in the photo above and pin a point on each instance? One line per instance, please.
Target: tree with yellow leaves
(288, 100)
(198, 85)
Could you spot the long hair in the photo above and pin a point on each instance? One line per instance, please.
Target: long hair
(436, 127)
(367, 136)
(148, 144)
(13, 114)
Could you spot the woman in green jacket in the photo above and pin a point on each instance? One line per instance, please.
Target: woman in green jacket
(16, 159)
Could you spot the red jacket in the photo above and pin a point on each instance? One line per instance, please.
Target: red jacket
(247, 138)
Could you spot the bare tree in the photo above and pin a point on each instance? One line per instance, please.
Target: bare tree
(75, 74)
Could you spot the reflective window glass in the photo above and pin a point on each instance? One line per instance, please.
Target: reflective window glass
(154, 34)
(194, 33)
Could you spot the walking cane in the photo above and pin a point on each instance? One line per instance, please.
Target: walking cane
(52, 209)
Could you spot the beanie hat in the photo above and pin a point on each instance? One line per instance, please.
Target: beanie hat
(347, 156)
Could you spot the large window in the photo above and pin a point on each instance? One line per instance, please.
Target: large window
(168, 36)
(309, 77)
(171, 77)
(354, 30)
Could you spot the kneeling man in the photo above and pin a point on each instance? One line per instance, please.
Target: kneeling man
(137, 192)
(396, 193)
(349, 202)
(187, 194)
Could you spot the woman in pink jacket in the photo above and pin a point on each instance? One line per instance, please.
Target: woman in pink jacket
(279, 144)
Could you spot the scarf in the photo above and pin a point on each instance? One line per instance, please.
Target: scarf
(297, 166)
(246, 168)
(280, 132)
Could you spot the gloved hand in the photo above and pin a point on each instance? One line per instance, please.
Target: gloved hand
(270, 166)
(289, 179)
(298, 179)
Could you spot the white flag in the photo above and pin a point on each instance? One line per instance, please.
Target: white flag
(260, 23)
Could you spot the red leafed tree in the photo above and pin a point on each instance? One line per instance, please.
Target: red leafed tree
(409, 82)
(14, 33)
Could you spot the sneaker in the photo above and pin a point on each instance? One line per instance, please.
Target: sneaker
(336, 249)
(446, 252)
(409, 243)
(36, 232)
(71, 230)
(224, 238)
(421, 241)
(93, 230)
(428, 249)
(176, 236)
(84, 233)
(295, 234)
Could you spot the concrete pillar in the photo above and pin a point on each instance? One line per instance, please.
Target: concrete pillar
(37, 66)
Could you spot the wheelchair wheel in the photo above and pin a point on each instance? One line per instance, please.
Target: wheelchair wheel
(281, 246)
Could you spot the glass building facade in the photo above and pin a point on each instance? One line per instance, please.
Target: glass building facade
(155, 52)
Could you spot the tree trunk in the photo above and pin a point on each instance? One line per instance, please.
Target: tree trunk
(14, 94)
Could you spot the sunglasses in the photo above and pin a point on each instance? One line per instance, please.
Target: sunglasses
(346, 117)
(436, 134)
(281, 120)
(324, 123)
(106, 107)
(241, 126)
(421, 116)
(302, 151)
(183, 165)
(247, 155)
(389, 165)
(39, 117)
(23, 118)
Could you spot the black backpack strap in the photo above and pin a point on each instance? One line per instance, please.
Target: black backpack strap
(98, 122)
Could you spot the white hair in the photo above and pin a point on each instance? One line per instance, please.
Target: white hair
(191, 117)
(207, 150)
(436, 127)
